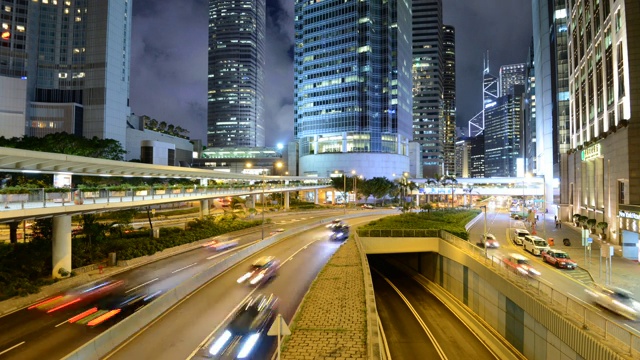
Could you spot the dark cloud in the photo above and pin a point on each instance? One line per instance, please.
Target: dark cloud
(169, 58)
(501, 27)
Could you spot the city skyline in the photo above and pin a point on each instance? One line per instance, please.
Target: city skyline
(168, 74)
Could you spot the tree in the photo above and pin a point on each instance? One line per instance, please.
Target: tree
(378, 187)
(451, 181)
(602, 225)
(162, 126)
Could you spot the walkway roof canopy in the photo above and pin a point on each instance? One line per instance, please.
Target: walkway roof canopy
(27, 161)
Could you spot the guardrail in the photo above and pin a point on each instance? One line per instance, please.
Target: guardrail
(614, 334)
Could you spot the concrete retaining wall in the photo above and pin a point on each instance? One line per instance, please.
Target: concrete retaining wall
(531, 327)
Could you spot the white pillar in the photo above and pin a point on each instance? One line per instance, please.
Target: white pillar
(204, 208)
(61, 250)
(286, 200)
(316, 197)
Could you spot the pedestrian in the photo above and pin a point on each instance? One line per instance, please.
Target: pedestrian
(559, 224)
(555, 218)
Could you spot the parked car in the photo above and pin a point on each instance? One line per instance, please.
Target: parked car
(517, 236)
(520, 264)
(367, 206)
(535, 244)
(489, 241)
(559, 259)
(618, 300)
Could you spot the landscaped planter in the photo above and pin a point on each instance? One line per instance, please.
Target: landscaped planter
(117, 193)
(160, 192)
(176, 191)
(90, 194)
(14, 197)
(142, 192)
(58, 196)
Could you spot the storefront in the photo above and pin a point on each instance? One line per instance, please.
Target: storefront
(628, 218)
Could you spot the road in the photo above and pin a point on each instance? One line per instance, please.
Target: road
(416, 322)
(187, 329)
(572, 283)
(36, 334)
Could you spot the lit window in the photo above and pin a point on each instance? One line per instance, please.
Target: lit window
(78, 19)
(20, 28)
(62, 75)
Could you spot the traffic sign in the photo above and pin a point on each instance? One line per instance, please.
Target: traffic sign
(589, 240)
(281, 330)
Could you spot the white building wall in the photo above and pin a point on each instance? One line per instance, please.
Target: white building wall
(136, 138)
(13, 105)
(366, 164)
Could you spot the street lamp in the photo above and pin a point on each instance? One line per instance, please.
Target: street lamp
(355, 188)
(263, 187)
(484, 236)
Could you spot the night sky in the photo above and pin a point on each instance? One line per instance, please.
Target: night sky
(169, 58)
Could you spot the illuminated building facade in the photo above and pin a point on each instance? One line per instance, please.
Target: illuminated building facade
(352, 90)
(235, 99)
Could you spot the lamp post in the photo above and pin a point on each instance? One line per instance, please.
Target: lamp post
(355, 189)
(484, 236)
(263, 187)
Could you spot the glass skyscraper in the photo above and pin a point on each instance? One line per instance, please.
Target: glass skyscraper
(67, 64)
(235, 99)
(352, 90)
(449, 99)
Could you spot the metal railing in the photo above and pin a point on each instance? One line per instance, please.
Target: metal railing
(614, 334)
(43, 198)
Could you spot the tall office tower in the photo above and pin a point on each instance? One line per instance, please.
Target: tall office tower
(476, 163)
(529, 116)
(352, 90)
(604, 82)
(235, 98)
(66, 63)
(552, 94)
(449, 98)
(490, 93)
(502, 132)
(428, 118)
(510, 75)
(462, 157)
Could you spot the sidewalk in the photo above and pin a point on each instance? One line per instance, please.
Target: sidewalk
(624, 272)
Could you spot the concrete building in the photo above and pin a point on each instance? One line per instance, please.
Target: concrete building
(428, 68)
(73, 57)
(152, 147)
(449, 98)
(477, 156)
(502, 134)
(235, 98)
(463, 158)
(511, 75)
(604, 83)
(248, 160)
(352, 90)
(529, 116)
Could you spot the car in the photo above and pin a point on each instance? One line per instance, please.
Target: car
(535, 244)
(339, 233)
(489, 241)
(618, 300)
(276, 231)
(517, 236)
(335, 222)
(367, 206)
(520, 264)
(559, 259)
(262, 270)
(246, 329)
(220, 245)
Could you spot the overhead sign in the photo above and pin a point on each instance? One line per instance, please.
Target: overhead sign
(591, 152)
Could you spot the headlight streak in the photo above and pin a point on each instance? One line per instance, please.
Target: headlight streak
(218, 344)
(248, 346)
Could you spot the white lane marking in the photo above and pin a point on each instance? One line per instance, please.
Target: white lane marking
(295, 253)
(186, 267)
(64, 322)
(226, 319)
(141, 285)
(11, 348)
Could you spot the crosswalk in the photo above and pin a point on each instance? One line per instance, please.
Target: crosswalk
(581, 275)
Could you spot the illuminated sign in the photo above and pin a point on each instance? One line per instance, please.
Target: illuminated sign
(628, 214)
(591, 152)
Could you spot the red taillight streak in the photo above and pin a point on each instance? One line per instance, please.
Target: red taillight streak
(44, 302)
(83, 314)
(62, 306)
(103, 317)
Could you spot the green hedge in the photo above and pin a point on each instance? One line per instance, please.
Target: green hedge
(452, 221)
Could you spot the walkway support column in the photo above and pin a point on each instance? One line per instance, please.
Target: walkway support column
(316, 196)
(204, 208)
(286, 200)
(61, 250)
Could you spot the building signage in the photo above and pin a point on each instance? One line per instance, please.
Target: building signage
(629, 214)
(591, 152)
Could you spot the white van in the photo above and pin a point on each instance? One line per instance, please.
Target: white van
(535, 244)
(517, 236)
